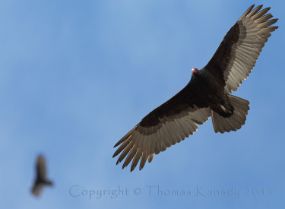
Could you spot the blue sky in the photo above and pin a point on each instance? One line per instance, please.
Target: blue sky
(75, 76)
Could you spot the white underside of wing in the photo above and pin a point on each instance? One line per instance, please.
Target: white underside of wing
(255, 28)
(145, 142)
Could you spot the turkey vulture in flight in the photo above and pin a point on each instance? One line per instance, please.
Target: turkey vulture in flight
(207, 94)
(41, 179)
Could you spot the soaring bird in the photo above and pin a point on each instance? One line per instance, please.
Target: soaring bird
(208, 93)
(41, 179)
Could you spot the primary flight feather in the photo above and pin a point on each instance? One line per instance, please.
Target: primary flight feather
(207, 94)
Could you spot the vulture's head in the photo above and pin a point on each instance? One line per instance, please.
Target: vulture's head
(195, 72)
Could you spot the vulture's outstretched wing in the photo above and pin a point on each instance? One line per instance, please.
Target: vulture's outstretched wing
(168, 124)
(239, 50)
(41, 167)
(37, 189)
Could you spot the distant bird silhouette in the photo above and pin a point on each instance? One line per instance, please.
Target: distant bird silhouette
(41, 179)
(208, 94)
